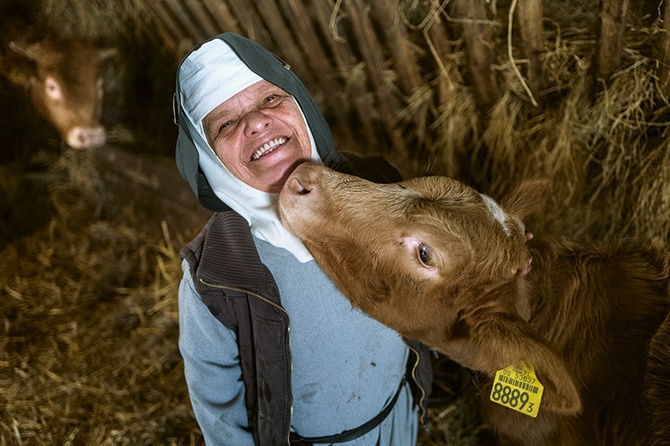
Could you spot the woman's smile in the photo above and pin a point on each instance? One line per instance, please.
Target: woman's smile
(268, 147)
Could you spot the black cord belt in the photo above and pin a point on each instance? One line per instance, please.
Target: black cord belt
(354, 433)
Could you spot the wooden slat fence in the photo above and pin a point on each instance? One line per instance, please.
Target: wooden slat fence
(384, 70)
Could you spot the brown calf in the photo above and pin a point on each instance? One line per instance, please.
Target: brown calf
(441, 263)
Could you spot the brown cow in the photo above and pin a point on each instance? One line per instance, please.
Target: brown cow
(66, 87)
(62, 79)
(442, 263)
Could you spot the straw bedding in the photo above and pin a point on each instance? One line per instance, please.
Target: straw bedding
(89, 325)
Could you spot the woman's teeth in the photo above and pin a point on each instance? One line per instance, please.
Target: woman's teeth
(268, 147)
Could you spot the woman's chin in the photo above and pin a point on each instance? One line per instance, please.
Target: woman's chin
(275, 173)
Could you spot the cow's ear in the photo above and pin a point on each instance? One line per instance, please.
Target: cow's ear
(504, 339)
(30, 51)
(106, 53)
(525, 198)
(21, 70)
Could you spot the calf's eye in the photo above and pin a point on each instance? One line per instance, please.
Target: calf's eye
(425, 254)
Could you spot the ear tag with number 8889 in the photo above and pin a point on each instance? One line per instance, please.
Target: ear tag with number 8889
(517, 388)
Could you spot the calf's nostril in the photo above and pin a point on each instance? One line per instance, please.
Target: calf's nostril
(297, 186)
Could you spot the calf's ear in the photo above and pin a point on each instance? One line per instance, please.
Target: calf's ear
(525, 198)
(506, 340)
(560, 392)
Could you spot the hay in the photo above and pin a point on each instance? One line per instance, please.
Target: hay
(90, 326)
(409, 92)
(606, 154)
(83, 19)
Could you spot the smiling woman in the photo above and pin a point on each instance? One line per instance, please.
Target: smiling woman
(260, 135)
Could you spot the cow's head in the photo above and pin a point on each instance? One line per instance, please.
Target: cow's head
(66, 87)
(433, 259)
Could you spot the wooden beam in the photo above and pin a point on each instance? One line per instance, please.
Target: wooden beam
(664, 52)
(609, 40)
(479, 47)
(368, 45)
(316, 60)
(529, 16)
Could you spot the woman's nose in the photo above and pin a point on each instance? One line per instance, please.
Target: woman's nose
(256, 122)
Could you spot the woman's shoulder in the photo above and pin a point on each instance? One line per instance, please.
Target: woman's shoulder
(224, 250)
(219, 229)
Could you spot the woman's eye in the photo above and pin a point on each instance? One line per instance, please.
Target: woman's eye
(425, 254)
(273, 100)
(225, 126)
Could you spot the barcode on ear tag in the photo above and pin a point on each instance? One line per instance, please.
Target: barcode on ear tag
(516, 387)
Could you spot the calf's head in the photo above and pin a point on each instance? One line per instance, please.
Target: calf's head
(66, 87)
(433, 259)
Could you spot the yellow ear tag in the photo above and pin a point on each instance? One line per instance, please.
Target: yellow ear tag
(517, 388)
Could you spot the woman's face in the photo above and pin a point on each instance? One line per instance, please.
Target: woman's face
(260, 135)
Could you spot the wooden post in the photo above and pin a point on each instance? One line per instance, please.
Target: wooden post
(203, 18)
(404, 63)
(369, 48)
(448, 76)
(664, 53)
(315, 59)
(193, 30)
(397, 44)
(353, 93)
(171, 32)
(248, 20)
(222, 16)
(480, 51)
(529, 15)
(609, 40)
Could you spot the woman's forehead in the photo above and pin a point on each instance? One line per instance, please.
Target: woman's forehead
(252, 93)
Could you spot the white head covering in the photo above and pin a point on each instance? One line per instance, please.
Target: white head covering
(209, 76)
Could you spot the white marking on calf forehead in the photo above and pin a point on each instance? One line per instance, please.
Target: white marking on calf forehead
(497, 212)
